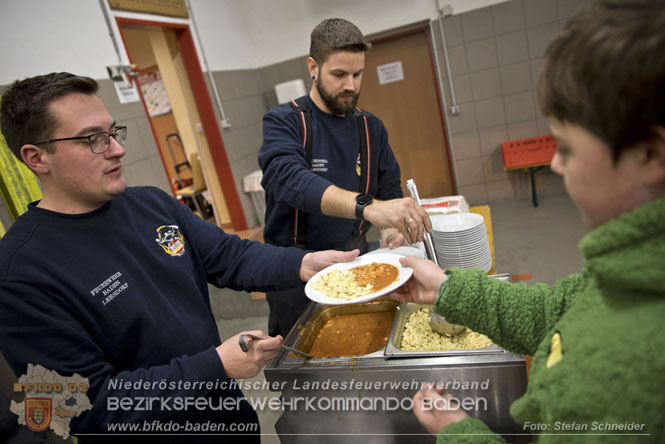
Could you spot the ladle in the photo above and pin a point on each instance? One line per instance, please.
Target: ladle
(443, 327)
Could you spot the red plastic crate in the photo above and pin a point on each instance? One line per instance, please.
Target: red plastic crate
(530, 151)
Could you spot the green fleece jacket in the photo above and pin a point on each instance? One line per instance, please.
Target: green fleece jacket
(596, 338)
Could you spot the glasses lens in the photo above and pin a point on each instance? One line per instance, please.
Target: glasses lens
(99, 142)
(120, 135)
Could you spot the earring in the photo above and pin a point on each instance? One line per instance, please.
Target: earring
(313, 77)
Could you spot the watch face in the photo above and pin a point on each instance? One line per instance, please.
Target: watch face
(363, 199)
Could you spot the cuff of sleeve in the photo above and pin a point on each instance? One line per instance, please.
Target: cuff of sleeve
(473, 429)
(293, 261)
(207, 366)
(438, 302)
(314, 194)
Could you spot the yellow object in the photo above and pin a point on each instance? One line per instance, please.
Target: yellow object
(484, 210)
(556, 352)
(18, 185)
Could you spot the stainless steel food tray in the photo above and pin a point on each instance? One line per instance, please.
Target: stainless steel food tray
(308, 331)
(405, 310)
(392, 350)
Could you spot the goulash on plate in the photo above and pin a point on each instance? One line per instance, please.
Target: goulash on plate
(358, 281)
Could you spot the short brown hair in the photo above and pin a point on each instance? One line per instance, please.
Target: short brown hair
(606, 72)
(24, 110)
(336, 34)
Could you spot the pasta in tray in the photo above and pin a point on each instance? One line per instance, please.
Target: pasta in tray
(418, 335)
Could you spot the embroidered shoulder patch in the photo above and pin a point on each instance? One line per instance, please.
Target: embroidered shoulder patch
(556, 350)
(171, 240)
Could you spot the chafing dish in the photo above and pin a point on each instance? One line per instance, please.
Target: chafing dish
(494, 378)
(393, 348)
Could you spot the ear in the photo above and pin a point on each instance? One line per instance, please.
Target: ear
(35, 158)
(312, 67)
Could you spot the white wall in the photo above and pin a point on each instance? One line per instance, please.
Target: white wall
(41, 36)
(279, 30)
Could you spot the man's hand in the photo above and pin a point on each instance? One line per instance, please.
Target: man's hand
(391, 238)
(405, 215)
(239, 364)
(435, 411)
(424, 285)
(312, 263)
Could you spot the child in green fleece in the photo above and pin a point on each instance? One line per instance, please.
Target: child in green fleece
(596, 337)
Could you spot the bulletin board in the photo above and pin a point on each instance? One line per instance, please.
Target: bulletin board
(154, 93)
(173, 8)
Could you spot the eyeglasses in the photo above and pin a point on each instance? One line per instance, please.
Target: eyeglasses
(99, 142)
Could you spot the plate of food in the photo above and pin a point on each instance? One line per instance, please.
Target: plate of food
(365, 278)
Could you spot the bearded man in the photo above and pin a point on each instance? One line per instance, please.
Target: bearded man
(328, 170)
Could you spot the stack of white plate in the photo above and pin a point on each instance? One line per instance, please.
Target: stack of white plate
(460, 240)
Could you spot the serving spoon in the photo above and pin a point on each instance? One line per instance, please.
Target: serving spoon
(443, 327)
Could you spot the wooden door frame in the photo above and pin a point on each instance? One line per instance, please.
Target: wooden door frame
(416, 28)
(206, 113)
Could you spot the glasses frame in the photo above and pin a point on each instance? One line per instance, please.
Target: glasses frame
(89, 138)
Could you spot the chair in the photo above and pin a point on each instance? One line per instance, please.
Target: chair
(193, 192)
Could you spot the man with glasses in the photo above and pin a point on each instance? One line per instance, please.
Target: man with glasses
(110, 282)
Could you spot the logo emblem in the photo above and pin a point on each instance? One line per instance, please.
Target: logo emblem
(171, 240)
(38, 413)
(358, 165)
(556, 350)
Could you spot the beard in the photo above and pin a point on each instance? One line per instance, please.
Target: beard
(333, 103)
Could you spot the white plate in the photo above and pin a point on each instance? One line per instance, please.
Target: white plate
(393, 259)
(461, 222)
(404, 251)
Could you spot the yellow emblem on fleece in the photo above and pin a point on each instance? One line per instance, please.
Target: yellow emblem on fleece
(556, 351)
(358, 165)
(171, 240)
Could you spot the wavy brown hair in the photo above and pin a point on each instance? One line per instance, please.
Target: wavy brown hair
(24, 111)
(606, 72)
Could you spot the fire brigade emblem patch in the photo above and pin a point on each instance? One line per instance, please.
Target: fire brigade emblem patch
(171, 240)
(38, 413)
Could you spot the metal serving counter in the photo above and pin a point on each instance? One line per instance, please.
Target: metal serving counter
(368, 398)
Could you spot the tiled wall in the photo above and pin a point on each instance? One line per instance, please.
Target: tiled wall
(495, 53)
(246, 96)
(142, 165)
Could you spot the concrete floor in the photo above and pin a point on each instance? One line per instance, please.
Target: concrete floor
(538, 241)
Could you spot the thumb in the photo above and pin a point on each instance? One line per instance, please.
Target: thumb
(345, 256)
(409, 261)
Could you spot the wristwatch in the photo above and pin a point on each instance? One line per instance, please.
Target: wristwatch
(362, 200)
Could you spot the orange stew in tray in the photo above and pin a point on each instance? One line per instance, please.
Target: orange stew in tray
(353, 334)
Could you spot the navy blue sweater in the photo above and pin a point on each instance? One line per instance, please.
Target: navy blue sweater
(121, 292)
(289, 183)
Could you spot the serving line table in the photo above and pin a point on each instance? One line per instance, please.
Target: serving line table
(366, 399)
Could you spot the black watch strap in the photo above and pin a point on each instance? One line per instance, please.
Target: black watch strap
(362, 200)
